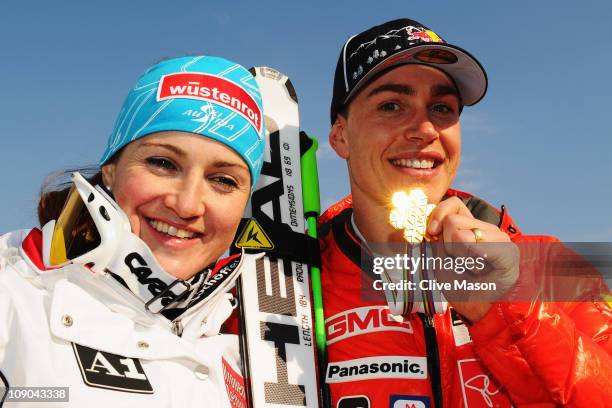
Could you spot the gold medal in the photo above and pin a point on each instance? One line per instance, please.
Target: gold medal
(410, 212)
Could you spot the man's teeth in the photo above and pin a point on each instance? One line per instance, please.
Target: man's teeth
(413, 163)
(170, 230)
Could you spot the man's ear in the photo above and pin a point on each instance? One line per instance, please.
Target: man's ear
(337, 137)
(108, 175)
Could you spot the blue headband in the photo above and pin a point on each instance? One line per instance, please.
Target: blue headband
(209, 96)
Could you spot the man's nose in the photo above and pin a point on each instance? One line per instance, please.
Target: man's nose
(422, 128)
(188, 198)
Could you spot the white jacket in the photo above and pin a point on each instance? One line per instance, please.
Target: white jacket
(68, 328)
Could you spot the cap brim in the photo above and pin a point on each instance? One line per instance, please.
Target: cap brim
(465, 70)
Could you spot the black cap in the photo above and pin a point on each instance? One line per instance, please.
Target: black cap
(403, 41)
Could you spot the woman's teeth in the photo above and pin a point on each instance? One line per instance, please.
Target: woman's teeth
(413, 163)
(170, 230)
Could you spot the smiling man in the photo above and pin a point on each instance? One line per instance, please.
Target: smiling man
(399, 90)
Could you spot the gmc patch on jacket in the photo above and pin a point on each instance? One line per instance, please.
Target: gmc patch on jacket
(111, 371)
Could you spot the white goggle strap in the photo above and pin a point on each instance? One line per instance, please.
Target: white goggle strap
(136, 265)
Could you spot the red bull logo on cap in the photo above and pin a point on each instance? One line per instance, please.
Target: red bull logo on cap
(206, 87)
(426, 36)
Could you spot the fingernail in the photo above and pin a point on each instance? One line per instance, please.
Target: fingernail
(433, 227)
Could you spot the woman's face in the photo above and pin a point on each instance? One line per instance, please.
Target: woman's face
(184, 195)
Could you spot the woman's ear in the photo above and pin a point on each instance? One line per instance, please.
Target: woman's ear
(337, 137)
(108, 175)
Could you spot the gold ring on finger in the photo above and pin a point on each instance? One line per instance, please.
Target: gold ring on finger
(477, 234)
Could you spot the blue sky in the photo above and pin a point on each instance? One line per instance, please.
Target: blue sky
(540, 142)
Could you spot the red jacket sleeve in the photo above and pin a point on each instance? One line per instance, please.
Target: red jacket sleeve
(550, 353)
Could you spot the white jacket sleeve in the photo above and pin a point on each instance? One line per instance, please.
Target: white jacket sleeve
(7, 315)
(7, 307)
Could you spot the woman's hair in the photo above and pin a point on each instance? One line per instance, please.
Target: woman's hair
(55, 189)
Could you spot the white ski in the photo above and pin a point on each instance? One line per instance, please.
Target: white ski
(276, 319)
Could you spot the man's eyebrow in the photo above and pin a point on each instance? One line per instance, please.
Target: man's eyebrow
(443, 90)
(397, 88)
(176, 150)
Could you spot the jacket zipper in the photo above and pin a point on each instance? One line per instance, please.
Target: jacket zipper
(433, 358)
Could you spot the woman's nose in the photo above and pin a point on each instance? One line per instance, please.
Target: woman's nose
(188, 199)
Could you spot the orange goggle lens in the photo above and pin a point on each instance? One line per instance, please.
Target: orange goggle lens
(75, 232)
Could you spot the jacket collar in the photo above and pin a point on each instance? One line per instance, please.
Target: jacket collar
(479, 208)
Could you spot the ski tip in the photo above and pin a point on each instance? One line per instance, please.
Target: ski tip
(271, 73)
(267, 72)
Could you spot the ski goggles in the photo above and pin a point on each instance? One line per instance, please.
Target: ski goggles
(87, 229)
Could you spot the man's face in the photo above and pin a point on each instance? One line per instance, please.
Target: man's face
(402, 131)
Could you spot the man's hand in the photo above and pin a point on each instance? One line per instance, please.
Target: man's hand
(456, 233)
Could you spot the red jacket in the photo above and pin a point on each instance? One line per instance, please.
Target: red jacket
(540, 354)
